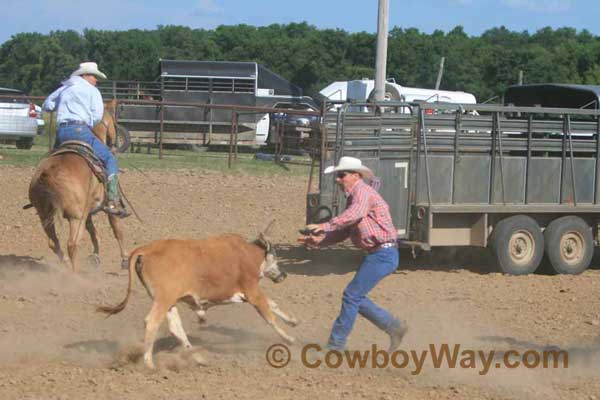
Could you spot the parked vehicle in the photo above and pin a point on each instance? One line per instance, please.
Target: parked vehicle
(554, 95)
(39, 119)
(296, 129)
(18, 118)
(363, 90)
(515, 179)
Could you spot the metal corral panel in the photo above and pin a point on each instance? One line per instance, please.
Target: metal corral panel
(394, 175)
(440, 173)
(584, 182)
(513, 172)
(472, 179)
(544, 180)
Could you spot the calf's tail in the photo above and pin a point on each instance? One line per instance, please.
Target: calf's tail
(135, 261)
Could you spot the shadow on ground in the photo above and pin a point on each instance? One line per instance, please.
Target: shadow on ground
(342, 260)
(12, 263)
(580, 355)
(345, 259)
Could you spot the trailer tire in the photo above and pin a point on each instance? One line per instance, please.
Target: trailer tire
(390, 94)
(569, 245)
(518, 244)
(123, 139)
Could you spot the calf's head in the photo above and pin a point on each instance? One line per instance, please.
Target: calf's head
(269, 267)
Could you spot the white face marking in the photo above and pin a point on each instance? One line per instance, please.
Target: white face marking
(262, 268)
(269, 267)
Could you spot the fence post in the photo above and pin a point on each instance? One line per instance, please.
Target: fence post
(162, 123)
(231, 136)
(235, 146)
(210, 122)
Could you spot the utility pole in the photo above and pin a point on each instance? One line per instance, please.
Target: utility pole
(520, 77)
(381, 57)
(440, 73)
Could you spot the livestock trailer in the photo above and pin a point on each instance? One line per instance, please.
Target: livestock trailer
(187, 87)
(521, 180)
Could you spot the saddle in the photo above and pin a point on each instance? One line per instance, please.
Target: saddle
(87, 153)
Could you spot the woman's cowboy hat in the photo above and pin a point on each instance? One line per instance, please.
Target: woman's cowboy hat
(89, 68)
(350, 164)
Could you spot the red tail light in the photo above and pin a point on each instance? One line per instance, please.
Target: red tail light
(32, 112)
(428, 111)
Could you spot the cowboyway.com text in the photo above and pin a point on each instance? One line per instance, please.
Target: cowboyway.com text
(441, 356)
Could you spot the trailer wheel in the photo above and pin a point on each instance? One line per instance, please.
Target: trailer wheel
(569, 245)
(518, 244)
(123, 139)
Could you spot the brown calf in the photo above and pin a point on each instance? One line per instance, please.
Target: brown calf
(201, 273)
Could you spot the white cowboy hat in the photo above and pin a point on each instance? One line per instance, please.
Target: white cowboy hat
(89, 68)
(350, 164)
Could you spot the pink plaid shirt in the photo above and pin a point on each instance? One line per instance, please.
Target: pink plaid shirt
(366, 220)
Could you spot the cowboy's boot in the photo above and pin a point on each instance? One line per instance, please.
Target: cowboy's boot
(396, 332)
(114, 205)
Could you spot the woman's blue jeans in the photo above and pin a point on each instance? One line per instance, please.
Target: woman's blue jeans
(84, 134)
(374, 268)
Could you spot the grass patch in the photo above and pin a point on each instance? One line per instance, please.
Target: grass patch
(172, 160)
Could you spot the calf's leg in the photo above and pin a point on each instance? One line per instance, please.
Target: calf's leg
(153, 321)
(198, 306)
(258, 299)
(288, 319)
(176, 328)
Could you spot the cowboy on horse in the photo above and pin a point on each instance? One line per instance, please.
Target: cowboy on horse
(79, 107)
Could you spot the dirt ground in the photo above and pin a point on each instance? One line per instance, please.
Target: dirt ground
(54, 346)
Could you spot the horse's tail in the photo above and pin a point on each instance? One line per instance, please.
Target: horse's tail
(135, 261)
(47, 202)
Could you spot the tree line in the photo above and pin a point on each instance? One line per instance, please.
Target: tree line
(310, 57)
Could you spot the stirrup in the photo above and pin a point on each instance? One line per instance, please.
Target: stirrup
(117, 210)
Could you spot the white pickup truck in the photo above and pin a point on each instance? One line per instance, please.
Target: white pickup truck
(20, 119)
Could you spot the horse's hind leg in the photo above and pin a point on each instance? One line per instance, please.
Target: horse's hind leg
(75, 233)
(89, 225)
(115, 224)
(53, 242)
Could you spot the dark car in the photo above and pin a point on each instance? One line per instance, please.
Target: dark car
(296, 130)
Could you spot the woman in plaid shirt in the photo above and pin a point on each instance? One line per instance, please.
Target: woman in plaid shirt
(368, 223)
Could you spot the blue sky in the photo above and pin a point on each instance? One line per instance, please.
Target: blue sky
(475, 16)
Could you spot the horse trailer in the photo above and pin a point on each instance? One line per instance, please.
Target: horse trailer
(522, 180)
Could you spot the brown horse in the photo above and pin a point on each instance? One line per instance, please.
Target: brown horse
(66, 185)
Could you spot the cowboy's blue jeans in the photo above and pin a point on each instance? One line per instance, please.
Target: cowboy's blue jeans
(84, 134)
(373, 269)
